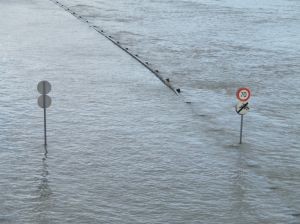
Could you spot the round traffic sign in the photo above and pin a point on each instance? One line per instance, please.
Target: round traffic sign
(242, 108)
(243, 94)
(44, 101)
(44, 87)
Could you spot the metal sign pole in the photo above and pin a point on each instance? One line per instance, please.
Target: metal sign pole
(241, 130)
(44, 101)
(45, 118)
(45, 126)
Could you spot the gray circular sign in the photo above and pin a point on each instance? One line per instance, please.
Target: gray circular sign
(44, 101)
(44, 87)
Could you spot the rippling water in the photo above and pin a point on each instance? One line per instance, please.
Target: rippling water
(174, 163)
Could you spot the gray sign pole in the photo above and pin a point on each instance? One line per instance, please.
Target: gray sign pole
(44, 101)
(241, 130)
(45, 118)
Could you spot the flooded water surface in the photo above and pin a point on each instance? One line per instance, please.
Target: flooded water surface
(122, 147)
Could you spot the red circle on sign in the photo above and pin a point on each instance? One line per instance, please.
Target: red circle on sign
(243, 94)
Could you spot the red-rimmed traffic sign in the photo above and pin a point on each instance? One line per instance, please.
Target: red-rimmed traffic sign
(243, 94)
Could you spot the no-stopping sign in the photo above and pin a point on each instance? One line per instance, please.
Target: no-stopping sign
(243, 94)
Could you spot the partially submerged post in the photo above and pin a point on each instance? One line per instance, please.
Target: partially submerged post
(241, 129)
(242, 107)
(44, 101)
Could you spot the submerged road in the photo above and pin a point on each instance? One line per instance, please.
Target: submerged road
(122, 147)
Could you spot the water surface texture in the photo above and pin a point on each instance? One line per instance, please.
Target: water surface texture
(122, 147)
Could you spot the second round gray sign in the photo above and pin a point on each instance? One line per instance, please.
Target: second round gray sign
(44, 103)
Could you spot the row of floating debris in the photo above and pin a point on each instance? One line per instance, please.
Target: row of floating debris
(146, 64)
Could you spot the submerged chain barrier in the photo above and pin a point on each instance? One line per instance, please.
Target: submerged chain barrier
(117, 43)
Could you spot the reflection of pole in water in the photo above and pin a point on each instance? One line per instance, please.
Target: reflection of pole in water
(44, 194)
(43, 187)
(240, 207)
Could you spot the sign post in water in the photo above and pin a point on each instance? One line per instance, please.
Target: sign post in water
(242, 107)
(44, 101)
